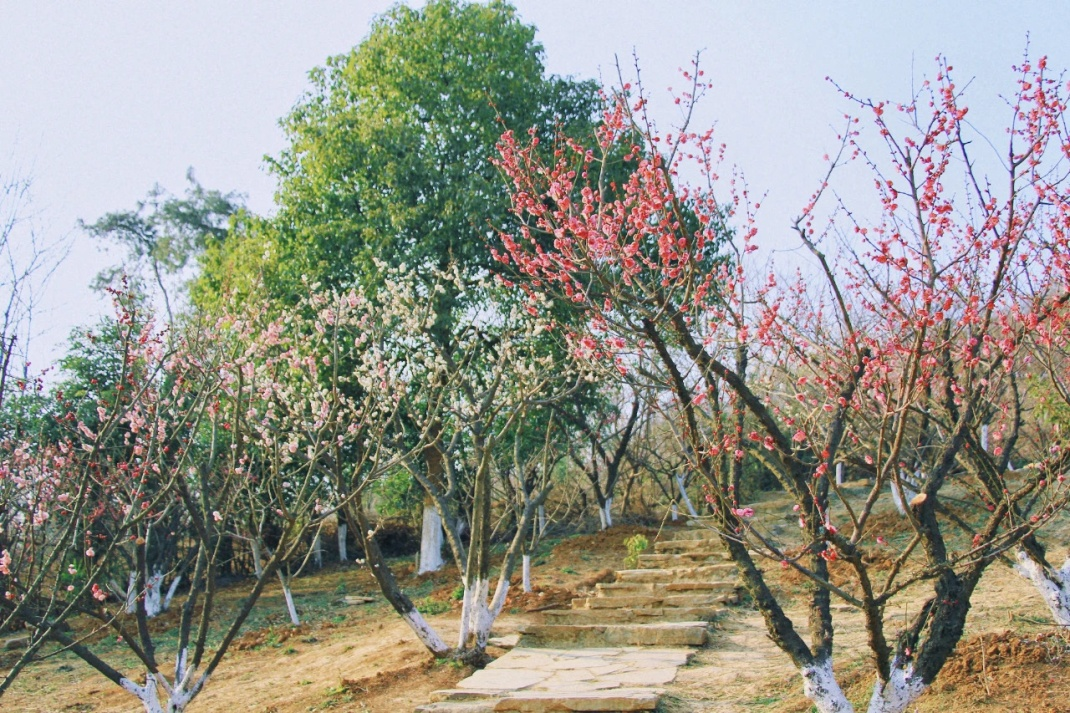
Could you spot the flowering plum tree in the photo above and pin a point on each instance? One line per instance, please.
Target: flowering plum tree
(921, 330)
(474, 400)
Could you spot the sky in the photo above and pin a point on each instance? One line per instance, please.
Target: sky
(99, 101)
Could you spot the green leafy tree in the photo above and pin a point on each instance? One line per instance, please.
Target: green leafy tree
(388, 154)
(165, 232)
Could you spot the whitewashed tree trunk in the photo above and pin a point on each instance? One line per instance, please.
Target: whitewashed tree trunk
(476, 616)
(674, 511)
(908, 492)
(179, 696)
(605, 514)
(839, 473)
(984, 437)
(427, 636)
(684, 497)
(145, 693)
(466, 606)
(895, 696)
(258, 566)
(154, 594)
(431, 541)
(1053, 585)
(542, 520)
(526, 569)
(342, 554)
(131, 593)
(902, 689)
(821, 687)
(288, 596)
(171, 592)
(317, 550)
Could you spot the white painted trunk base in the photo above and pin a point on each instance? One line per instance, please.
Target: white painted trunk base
(431, 542)
(154, 594)
(342, 555)
(291, 608)
(542, 520)
(178, 696)
(427, 636)
(605, 515)
(683, 496)
(317, 551)
(258, 566)
(895, 696)
(821, 687)
(526, 569)
(901, 690)
(1054, 586)
(171, 592)
(674, 512)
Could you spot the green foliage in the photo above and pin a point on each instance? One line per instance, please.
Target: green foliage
(431, 607)
(636, 544)
(164, 232)
(389, 150)
(398, 495)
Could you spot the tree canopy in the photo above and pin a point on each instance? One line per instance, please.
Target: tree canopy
(388, 155)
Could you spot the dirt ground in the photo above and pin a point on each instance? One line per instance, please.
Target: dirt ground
(364, 658)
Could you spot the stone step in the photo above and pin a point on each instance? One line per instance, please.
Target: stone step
(617, 589)
(680, 559)
(631, 616)
(696, 532)
(700, 545)
(485, 705)
(683, 633)
(616, 699)
(699, 573)
(650, 601)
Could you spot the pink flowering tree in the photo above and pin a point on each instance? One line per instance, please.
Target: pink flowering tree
(75, 498)
(892, 351)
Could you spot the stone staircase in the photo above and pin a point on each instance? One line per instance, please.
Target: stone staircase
(611, 649)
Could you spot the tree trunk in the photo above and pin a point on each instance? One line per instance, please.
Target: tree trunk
(154, 594)
(317, 550)
(605, 514)
(683, 496)
(821, 687)
(342, 554)
(384, 577)
(431, 541)
(258, 566)
(527, 574)
(1053, 584)
(171, 592)
(288, 595)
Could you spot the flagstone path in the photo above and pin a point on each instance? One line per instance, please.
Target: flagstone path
(614, 650)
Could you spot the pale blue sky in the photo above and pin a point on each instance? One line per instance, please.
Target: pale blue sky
(100, 100)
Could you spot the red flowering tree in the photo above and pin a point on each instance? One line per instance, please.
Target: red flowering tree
(892, 351)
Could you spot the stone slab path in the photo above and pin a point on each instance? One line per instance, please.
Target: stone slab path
(588, 679)
(614, 650)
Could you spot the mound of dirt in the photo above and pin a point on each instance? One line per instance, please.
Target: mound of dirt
(1010, 671)
(259, 637)
(541, 597)
(609, 541)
